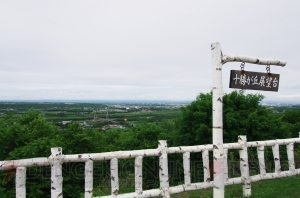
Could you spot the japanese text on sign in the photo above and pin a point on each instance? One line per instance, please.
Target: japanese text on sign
(254, 80)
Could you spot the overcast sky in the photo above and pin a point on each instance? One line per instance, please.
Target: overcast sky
(137, 50)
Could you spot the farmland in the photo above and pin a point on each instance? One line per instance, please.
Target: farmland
(30, 130)
(97, 115)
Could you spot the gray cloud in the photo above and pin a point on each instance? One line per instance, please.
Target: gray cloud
(139, 49)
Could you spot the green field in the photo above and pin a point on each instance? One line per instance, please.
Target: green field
(152, 116)
(276, 188)
(31, 133)
(58, 112)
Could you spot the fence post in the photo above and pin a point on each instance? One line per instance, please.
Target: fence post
(276, 155)
(163, 168)
(56, 173)
(290, 153)
(89, 169)
(187, 168)
(138, 174)
(114, 177)
(21, 182)
(206, 168)
(218, 121)
(261, 159)
(226, 165)
(244, 166)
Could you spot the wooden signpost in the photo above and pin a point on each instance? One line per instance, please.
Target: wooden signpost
(241, 79)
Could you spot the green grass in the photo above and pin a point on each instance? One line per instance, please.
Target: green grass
(275, 188)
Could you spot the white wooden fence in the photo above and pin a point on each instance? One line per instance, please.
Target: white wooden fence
(56, 159)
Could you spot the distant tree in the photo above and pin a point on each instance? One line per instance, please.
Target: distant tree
(195, 122)
(28, 137)
(292, 119)
(242, 115)
(32, 136)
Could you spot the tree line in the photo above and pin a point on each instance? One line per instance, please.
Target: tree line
(30, 135)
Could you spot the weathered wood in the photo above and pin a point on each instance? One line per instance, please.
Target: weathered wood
(275, 150)
(56, 173)
(21, 182)
(193, 186)
(187, 168)
(232, 146)
(261, 159)
(273, 142)
(206, 167)
(32, 162)
(163, 168)
(146, 193)
(226, 165)
(282, 174)
(244, 166)
(114, 177)
(254, 80)
(232, 181)
(88, 173)
(57, 158)
(217, 106)
(110, 155)
(43, 161)
(191, 149)
(248, 59)
(290, 154)
(138, 175)
(204, 185)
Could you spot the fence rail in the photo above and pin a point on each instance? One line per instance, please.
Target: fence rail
(56, 159)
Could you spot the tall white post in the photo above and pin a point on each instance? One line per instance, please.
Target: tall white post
(206, 169)
(163, 168)
(218, 121)
(56, 173)
(138, 175)
(218, 59)
(226, 165)
(290, 154)
(276, 155)
(261, 160)
(21, 182)
(114, 176)
(244, 166)
(187, 169)
(88, 174)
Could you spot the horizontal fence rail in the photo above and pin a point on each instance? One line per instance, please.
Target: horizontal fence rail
(57, 158)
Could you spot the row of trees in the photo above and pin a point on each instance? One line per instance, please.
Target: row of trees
(31, 136)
